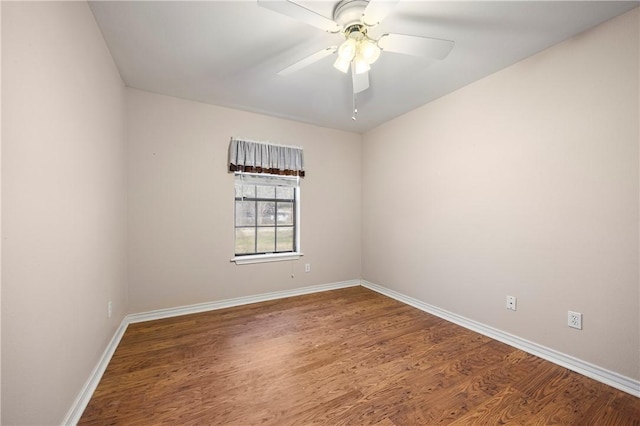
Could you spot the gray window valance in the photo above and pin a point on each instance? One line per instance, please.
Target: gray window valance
(260, 157)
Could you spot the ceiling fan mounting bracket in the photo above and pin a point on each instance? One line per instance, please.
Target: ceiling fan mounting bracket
(349, 12)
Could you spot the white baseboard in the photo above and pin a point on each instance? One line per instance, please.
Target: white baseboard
(595, 372)
(83, 398)
(228, 303)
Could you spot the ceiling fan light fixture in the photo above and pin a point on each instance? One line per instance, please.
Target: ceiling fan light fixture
(369, 51)
(347, 50)
(342, 64)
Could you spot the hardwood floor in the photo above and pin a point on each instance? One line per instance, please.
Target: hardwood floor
(343, 357)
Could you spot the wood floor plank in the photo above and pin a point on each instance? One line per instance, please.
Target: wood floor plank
(343, 357)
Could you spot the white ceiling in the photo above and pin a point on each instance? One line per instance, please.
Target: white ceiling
(228, 52)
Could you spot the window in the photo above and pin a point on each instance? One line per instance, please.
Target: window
(267, 200)
(266, 216)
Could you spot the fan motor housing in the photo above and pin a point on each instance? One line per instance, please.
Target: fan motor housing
(349, 12)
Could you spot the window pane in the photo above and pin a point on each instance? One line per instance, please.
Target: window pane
(245, 213)
(266, 240)
(285, 213)
(266, 191)
(266, 213)
(245, 240)
(284, 193)
(246, 191)
(285, 239)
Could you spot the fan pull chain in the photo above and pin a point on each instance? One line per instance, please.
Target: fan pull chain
(355, 108)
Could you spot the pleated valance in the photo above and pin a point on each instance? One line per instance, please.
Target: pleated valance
(261, 157)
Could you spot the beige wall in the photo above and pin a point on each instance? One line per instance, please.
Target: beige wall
(180, 223)
(524, 183)
(63, 201)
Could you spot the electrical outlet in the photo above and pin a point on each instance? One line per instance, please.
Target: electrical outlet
(307, 267)
(511, 303)
(109, 309)
(575, 320)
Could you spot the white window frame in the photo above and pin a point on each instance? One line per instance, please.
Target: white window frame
(270, 257)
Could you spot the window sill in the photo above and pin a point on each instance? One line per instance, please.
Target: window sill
(262, 258)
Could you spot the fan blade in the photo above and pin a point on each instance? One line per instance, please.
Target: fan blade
(300, 13)
(308, 60)
(416, 46)
(377, 10)
(360, 81)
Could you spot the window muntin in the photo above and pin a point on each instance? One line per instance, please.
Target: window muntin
(266, 208)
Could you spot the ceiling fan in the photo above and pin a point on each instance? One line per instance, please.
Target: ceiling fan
(353, 18)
